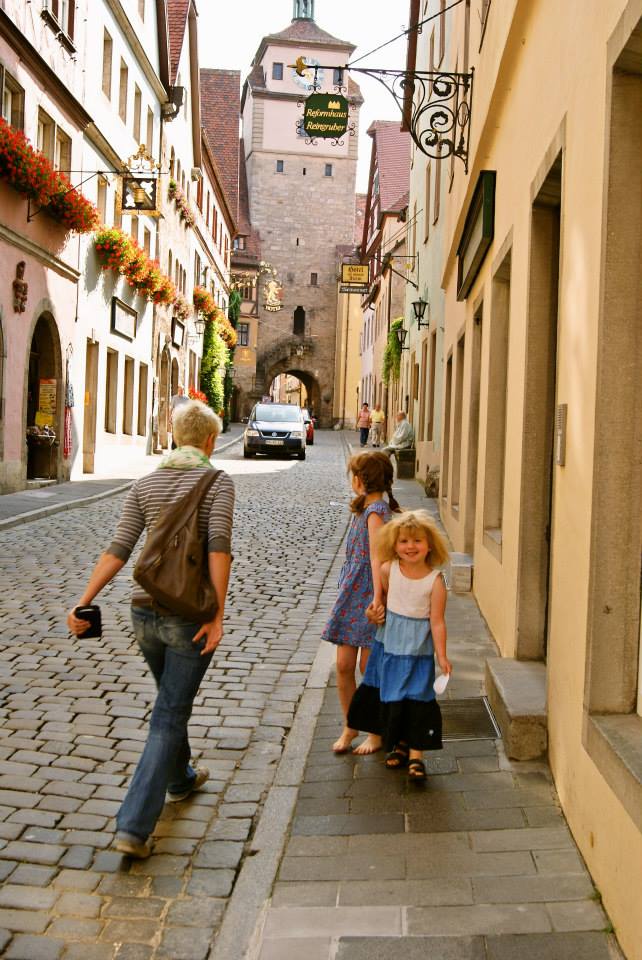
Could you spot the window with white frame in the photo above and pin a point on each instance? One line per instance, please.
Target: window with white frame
(13, 100)
(46, 134)
(108, 50)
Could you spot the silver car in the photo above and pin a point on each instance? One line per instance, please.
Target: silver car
(275, 428)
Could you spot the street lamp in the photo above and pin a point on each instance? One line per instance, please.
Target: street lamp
(420, 306)
(199, 325)
(401, 336)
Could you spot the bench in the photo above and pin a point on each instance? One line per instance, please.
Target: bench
(406, 459)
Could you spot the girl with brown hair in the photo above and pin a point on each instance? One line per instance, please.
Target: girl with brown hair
(360, 584)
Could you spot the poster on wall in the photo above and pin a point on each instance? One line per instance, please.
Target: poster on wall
(47, 397)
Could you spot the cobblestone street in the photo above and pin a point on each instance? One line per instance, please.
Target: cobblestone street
(74, 720)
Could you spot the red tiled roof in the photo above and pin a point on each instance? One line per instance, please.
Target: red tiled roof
(256, 76)
(307, 31)
(220, 111)
(177, 11)
(245, 229)
(359, 214)
(393, 160)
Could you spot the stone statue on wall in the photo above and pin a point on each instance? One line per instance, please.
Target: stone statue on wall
(20, 289)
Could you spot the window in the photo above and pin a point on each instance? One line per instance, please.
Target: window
(197, 270)
(328, 169)
(207, 209)
(277, 71)
(46, 135)
(483, 15)
(141, 9)
(497, 405)
(314, 279)
(13, 100)
(108, 47)
(170, 263)
(133, 228)
(142, 400)
(62, 156)
(431, 382)
(118, 214)
(122, 91)
(111, 395)
(299, 322)
(243, 332)
(172, 163)
(101, 198)
(149, 139)
(337, 77)
(128, 396)
(147, 241)
(59, 16)
(280, 166)
(427, 204)
(437, 199)
(138, 106)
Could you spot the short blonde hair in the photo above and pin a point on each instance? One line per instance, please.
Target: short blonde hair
(413, 520)
(193, 422)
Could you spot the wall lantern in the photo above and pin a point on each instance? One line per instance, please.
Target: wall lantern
(199, 324)
(401, 337)
(420, 307)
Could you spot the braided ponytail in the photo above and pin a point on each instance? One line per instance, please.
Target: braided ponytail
(394, 505)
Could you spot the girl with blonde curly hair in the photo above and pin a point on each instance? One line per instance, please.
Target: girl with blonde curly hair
(397, 699)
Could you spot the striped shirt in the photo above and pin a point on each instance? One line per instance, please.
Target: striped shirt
(147, 497)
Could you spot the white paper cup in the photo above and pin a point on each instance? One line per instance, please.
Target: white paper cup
(441, 683)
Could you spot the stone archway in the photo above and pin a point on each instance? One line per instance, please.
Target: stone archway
(163, 399)
(43, 400)
(309, 381)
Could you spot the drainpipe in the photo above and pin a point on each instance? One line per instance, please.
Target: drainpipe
(345, 364)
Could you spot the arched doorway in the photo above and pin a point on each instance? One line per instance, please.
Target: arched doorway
(296, 386)
(43, 426)
(163, 399)
(174, 390)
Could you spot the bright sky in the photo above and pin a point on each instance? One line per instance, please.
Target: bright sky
(230, 34)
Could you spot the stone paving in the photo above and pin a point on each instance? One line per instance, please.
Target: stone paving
(74, 719)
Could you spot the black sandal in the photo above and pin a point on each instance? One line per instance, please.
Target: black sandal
(397, 758)
(417, 770)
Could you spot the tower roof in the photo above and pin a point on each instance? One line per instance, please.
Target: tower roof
(302, 32)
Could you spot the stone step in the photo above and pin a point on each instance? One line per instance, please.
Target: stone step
(516, 691)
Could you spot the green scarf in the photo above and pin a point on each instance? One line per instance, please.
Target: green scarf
(184, 458)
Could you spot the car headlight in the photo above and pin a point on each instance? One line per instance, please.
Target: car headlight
(251, 433)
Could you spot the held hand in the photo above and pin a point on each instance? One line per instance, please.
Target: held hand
(376, 612)
(212, 633)
(77, 627)
(444, 664)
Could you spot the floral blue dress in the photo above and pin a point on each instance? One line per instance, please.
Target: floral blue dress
(348, 622)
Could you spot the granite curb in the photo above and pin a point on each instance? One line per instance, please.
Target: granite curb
(49, 511)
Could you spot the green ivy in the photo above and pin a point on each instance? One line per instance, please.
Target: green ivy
(234, 308)
(392, 354)
(215, 357)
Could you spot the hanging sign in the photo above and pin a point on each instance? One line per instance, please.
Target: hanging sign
(354, 288)
(47, 397)
(355, 273)
(325, 115)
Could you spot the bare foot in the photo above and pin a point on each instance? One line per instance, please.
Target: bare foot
(343, 744)
(371, 744)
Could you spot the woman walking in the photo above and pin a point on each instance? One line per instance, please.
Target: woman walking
(177, 650)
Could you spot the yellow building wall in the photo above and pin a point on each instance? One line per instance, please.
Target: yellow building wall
(536, 85)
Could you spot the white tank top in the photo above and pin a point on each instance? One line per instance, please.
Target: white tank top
(410, 598)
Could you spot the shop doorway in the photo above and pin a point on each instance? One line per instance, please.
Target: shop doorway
(163, 400)
(536, 518)
(44, 401)
(91, 407)
(174, 377)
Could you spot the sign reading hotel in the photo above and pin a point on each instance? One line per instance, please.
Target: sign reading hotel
(355, 273)
(325, 115)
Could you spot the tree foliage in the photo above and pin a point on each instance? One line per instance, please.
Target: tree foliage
(392, 354)
(215, 357)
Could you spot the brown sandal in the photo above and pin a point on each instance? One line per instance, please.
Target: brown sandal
(417, 770)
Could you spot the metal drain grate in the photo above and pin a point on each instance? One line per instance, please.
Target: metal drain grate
(470, 719)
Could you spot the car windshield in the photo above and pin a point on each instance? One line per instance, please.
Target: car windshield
(277, 413)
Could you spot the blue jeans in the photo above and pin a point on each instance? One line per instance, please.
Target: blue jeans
(178, 668)
(363, 435)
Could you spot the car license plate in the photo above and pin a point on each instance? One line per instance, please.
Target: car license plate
(274, 443)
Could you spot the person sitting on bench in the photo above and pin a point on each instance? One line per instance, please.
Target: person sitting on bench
(403, 437)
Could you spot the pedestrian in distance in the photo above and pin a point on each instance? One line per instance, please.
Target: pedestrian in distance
(177, 650)
(396, 700)
(403, 437)
(378, 419)
(360, 585)
(363, 424)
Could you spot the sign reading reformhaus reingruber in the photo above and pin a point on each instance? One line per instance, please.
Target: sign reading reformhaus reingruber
(325, 115)
(355, 273)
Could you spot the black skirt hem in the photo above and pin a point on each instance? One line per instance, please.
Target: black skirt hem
(414, 722)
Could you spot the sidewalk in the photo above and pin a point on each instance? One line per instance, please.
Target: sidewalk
(26, 505)
(477, 864)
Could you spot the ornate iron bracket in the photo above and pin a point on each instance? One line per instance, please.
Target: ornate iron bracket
(436, 106)
(439, 107)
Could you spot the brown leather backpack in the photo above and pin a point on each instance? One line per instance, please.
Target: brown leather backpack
(173, 565)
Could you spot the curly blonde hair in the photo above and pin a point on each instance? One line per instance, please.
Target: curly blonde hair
(413, 521)
(193, 422)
